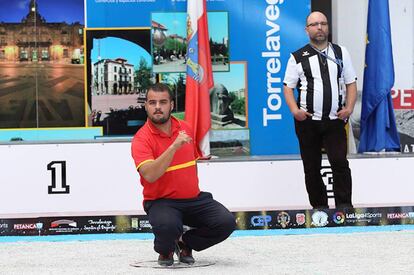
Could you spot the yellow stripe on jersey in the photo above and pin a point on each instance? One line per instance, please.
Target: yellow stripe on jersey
(142, 163)
(181, 166)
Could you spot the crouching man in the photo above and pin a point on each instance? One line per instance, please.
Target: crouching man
(165, 157)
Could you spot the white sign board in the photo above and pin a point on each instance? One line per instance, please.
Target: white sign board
(100, 178)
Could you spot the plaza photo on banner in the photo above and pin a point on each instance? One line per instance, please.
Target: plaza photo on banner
(169, 41)
(119, 73)
(41, 64)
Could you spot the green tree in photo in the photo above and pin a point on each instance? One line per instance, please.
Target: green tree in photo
(177, 86)
(175, 45)
(143, 75)
(238, 105)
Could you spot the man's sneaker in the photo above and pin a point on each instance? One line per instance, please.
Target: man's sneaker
(184, 253)
(166, 260)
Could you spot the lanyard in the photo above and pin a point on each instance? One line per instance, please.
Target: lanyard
(336, 60)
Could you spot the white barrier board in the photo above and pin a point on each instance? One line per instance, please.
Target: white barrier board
(76, 179)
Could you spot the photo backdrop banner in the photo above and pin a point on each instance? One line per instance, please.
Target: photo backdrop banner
(260, 33)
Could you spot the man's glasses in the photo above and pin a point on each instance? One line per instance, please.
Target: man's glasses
(323, 24)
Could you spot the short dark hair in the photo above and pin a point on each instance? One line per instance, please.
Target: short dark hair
(160, 87)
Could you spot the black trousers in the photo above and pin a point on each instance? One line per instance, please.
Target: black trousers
(314, 135)
(210, 221)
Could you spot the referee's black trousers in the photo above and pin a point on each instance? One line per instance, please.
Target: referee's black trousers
(313, 135)
(209, 220)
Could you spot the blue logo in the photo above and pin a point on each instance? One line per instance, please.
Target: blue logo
(262, 220)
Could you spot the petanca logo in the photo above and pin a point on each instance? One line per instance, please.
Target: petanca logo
(400, 215)
(28, 226)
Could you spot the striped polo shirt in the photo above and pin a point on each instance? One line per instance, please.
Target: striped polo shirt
(180, 180)
(320, 77)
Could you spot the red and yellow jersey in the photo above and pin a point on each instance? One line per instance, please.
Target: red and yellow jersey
(180, 180)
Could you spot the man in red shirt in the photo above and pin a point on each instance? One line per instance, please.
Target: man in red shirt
(165, 156)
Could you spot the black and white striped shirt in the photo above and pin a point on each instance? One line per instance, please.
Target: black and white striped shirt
(320, 77)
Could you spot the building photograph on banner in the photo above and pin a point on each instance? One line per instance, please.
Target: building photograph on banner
(119, 73)
(169, 41)
(41, 64)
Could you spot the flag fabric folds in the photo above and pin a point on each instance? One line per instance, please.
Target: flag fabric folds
(199, 78)
(378, 129)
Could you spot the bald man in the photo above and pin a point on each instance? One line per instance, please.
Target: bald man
(325, 79)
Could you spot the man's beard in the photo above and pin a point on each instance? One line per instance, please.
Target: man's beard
(161, 120)
(319, 40)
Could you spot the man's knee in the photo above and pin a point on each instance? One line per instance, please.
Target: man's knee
(228, 224)
(168, 227)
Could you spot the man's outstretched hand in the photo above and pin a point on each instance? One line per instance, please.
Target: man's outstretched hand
(181, 139)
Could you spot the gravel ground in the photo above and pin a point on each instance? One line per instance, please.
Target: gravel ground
(354, 253)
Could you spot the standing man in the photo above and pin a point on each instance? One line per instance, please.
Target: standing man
(165, 157)
(326, 81)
